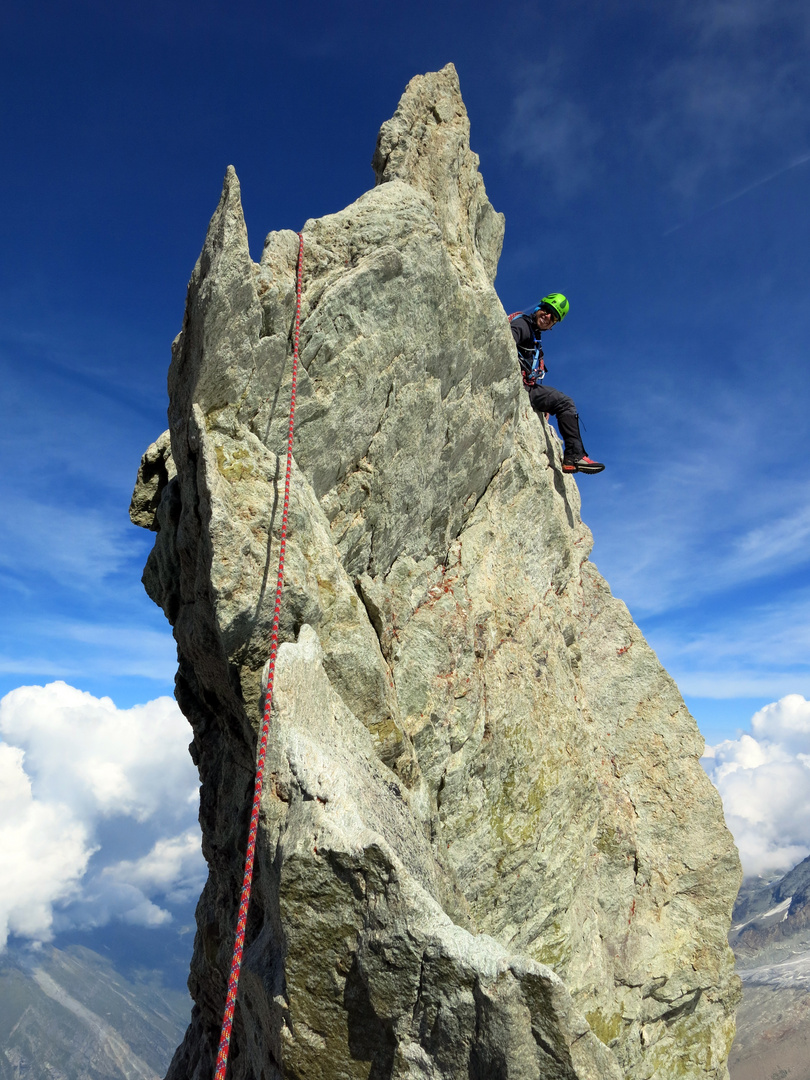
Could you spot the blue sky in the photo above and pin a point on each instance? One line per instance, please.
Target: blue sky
(652, 162)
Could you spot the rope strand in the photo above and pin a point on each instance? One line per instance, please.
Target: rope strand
(247, 880)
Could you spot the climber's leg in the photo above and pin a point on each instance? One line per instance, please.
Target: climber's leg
(545, 399)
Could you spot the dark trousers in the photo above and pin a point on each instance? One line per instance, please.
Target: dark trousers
(545, 399)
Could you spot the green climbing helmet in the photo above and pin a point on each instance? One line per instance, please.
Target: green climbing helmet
(557, 302)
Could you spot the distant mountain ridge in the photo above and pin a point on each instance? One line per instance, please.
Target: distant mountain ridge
(71, 1015)
(766, 913)
(770, 936)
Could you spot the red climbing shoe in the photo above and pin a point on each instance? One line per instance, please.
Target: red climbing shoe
(583, 464)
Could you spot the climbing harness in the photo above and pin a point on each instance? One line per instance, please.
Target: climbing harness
(537, 372)
(247, 880)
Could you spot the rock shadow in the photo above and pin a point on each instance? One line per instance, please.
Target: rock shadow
(559, 480)
(370, 1038)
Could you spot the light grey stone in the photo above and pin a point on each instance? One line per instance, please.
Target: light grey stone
(426, 143)
(154, 473)
(487, 847)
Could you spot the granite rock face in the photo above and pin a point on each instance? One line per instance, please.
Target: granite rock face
(487, 847)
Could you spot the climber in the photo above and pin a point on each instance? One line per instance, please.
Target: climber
(527, 328)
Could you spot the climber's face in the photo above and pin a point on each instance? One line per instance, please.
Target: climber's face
(545, 320)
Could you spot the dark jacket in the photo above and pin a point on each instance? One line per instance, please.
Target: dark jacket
(527, 339)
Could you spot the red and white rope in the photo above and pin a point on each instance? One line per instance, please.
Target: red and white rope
(247, 880)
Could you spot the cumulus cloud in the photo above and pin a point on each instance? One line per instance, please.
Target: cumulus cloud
(787, 721)
(764, 780)
(171, 868)
(44, 852)
(99, 760)
(81, 784)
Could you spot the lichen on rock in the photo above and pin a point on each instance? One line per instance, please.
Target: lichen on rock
(486, 846)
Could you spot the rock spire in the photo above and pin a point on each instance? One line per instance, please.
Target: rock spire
(487, 847)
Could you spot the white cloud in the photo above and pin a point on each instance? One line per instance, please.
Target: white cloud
(722, 19)
(764, 781)
(802, 159)
(780, 544)
(172, 868)
(76, 547)
(121, 761)
(44, 852)
(736, 682)
(722, 110)
(70, 765)
(89, 649)
(551, 131)
(731, 104)
(787, 721)
(689, 529)
(101, 902)
(757, 650)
